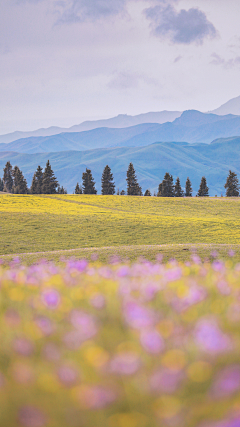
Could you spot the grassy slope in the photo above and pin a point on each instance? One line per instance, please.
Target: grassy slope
(31, 224)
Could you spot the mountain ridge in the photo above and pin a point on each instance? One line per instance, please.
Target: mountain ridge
(151, 162)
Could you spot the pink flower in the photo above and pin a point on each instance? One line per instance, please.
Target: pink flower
(67, 376)
(210, 338)
(166, 381)
(125, 364)
(227, 382)
(98, 301)
(30, 416)
(152, 341)
(23, 346)
(97, 397)
(138, 317)
(51, 298)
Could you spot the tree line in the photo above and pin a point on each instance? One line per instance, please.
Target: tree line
(45, 182)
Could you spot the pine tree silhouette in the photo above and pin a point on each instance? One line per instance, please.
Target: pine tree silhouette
(19, 182)
(37, 181)
(178, 192)
(108, 186)
(203, 189)
(78, 189)
(188, 188)
(166, 188)
(7, 178)
(49, 182)
(147, 193)
(133, 188)
(88, 183)
(232, 185)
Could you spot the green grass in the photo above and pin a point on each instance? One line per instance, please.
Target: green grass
(32, 224)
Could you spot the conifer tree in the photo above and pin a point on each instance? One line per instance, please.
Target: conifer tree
(88, 183)
(49, 181)
(108, 186)
(232, 185)
(188, 188)
(37, 181)
(178, 192)
(122, 193)
(7, 178)
(203, 189)
(1, 184)
(19, 182)
(159, 193)
(78, 189)
(61, 190)
(133, 188)
(147, 193)
(166, 188)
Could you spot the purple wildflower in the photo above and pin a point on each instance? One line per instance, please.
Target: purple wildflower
(210, 338)
(137, 316)
(125, 364)
(152, 341)
(51, 298)
(227, 382)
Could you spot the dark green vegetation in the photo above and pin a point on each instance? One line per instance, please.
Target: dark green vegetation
(151, 163)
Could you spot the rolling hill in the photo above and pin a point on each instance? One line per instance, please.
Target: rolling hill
(151, 162)
(192, 126)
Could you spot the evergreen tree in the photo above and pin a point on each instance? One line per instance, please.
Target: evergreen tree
(178, 192)
(61, 190)
(166, 187)
(88, 183)
(122, 193)
(108, 186)
(78, 189)
(37, 181)
(49, 181)
(147, 193)
(1, 184)
(133, 188)
(203, 189)
(159, 193)
(19, 182)
(188, 188)
(7, 178)
(232, 185)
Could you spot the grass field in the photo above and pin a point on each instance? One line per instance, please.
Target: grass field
(32, 224)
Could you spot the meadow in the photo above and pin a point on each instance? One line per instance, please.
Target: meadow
(56, 226)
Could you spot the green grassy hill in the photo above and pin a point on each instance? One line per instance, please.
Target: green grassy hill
(31, 224)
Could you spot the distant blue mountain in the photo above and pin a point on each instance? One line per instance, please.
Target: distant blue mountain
(151, 162)
(192, 126)
(120, 121)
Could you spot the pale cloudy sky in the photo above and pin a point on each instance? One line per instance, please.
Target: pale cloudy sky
(64, 61)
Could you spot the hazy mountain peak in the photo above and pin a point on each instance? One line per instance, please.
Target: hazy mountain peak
(230, 107)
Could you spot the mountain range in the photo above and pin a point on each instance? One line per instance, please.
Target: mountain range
(120, 121)
(192, 126)
(180, 143)
(151, 162)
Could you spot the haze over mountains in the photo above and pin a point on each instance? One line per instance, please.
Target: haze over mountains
(151, 162)
(180, 143)
(120, 121)
(191, 126)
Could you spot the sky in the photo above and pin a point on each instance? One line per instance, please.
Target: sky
(65, 61)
